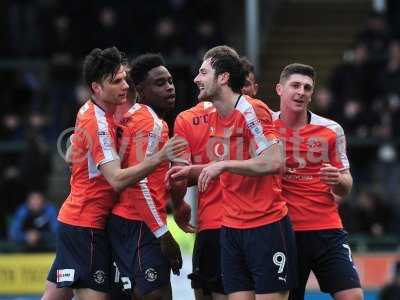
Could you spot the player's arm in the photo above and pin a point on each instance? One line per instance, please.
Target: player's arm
(121, 178)
(269, 162)
(336, 173)
(190, 173)
(340, 181)
(178, 188)
(181, 210)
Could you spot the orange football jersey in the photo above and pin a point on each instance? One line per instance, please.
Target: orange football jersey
(143, 134)
(94, 143)
(311, 204)
(193, 125)
(248, 201)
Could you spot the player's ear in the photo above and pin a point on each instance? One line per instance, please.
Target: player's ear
(224, 77)
(96, 87)
(255, 88)
(278, 89)
(139, 88)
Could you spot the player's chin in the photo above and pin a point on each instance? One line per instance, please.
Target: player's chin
(169, 107)
(203, 97)
(121, 100)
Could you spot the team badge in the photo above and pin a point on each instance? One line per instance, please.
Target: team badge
(99, 276)
(150, 275)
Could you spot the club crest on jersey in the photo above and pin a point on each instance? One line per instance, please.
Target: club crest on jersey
(150, 275)
(314, 143)
(99, 276)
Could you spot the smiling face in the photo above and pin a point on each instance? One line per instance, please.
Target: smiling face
(207, 82)
(295, 92)
(250, 87)
(158, 89)
(112, 90)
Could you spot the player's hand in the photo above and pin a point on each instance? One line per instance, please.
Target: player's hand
(172, 149)
(329, 174)
(182, 216)
(170, 249)
(208, 174)
(176, 173)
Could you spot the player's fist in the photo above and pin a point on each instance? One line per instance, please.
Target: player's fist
(170, 249)
(174, 148)
(329, 174)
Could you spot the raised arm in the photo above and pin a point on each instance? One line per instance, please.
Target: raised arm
(121, 178)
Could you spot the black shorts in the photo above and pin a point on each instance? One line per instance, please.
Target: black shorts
(328, 255)
(137, 254)
(261, 259)
(82, 259)
(207, 262)
(117, 291)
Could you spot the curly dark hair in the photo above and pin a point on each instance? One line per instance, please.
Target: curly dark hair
(141, 65)
(247, 65)
(99, 64)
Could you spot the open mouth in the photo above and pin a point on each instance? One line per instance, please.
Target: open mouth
(298, 101)
(171, 97)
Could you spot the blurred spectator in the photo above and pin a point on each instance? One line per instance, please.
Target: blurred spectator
(322, 103)
(63, 51)
(387, 105)
(387, 169)
(11, 128)
(391, 291)
(34, 224)
(205, 37)
(35, 161)
(167, 38)
(20, 93)
(372, 215)
(349, 78)
(375, 36)
(353, 90)
(108, 30)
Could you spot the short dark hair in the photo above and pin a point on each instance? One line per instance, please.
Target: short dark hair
(141, 65)
(297, 68)
(99, 64)
(225, 59)
(247, 65)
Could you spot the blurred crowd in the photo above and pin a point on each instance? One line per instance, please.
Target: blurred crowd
(363, 93)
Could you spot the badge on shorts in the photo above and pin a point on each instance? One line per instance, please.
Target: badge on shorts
(99, 276)
(150, 275)
(65, 275)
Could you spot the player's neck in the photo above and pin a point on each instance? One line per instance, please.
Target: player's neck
(121, 110)
(294, 120)
(159, 112)
(107, 107)
(226, 103)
